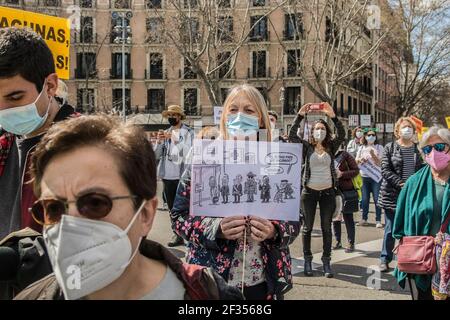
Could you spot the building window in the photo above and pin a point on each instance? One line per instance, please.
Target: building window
(225, 29)
(86, 65)
(259, 31)
(293, 27)
(51, 3)
(85, 101)
(155, 100)
(190, 28)
(259, 64)
(331, 32)
(117, 102)
(292, 100)
(293, 63)
(355, 105)
(342, 106)
(154, 31)
(349, 105)
(259, 3)
(116, 36)
(153, 4)
(156, 66)
(224, 3)
(190, 4)
(224, 93)
(116, 71)
(122, 4)
(188, 72)
(190, 99)
(87, 30)
(223, 60)
(12, 1)
(86, 3)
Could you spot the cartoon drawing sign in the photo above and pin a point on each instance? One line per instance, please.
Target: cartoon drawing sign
(55, 31)
(246, 178)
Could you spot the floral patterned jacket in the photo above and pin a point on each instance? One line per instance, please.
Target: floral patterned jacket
(205, 249)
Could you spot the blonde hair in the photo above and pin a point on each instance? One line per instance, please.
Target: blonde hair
(258, 102)
(208, 133)
(398, 124)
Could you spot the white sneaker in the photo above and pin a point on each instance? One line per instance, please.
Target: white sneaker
(362, 223)
(379, 225)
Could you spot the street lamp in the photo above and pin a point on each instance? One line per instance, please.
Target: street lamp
(126, 30)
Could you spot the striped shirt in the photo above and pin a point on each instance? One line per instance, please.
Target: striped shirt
(409, 161)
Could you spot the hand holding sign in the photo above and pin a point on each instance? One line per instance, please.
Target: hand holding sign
(233, 227)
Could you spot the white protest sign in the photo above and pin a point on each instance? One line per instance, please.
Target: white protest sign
(217, 114)
(380, 127)
(246, 178)
(353, 120)
(389, 127)
(371, 170)
(366, 120)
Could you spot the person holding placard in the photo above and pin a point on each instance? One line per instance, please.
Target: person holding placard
(368, 158)
(249, 252)
(319, 179)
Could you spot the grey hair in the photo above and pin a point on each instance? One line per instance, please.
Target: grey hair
(442, 132)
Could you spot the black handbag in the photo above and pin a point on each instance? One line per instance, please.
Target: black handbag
(351, 201)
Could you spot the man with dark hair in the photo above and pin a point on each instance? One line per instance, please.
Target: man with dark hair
(28, 108)
(273, 117)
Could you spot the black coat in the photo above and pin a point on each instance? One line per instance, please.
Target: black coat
(391, 169)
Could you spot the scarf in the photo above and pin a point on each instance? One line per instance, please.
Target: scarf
(6, 142)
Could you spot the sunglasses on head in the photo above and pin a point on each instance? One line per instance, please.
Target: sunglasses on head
(439, 147)
(91, 205)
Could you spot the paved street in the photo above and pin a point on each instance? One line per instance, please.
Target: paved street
(355, 278)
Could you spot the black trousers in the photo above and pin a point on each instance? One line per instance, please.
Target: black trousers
(170, 191)
(418, 294)
(327, 203)
(349, 225)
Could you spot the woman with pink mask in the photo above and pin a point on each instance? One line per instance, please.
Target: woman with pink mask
(423, 205)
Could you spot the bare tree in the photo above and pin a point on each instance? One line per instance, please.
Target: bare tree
(331, 41)
(208, 35)
(433, 108)
(421, 58)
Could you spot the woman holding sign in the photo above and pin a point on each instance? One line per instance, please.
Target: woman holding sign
(319, 180)
(368, 158)
(249, 252)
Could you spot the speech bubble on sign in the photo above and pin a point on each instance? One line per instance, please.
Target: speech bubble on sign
(281, 159)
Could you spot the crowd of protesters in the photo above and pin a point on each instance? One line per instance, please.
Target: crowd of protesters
(82, 190)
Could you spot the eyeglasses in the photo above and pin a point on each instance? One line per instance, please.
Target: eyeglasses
(371, 135)
(90, 205)
(439, 147)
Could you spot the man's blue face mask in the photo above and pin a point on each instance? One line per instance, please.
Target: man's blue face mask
(25, 119)
(242, 124)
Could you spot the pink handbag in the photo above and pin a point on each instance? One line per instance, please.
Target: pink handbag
(416, 254)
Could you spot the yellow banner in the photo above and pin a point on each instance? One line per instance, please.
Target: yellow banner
(447, 119)
(55, 31)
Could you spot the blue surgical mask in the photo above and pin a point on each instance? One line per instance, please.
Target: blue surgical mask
(242, 123)
(371, 139)
(25, 119)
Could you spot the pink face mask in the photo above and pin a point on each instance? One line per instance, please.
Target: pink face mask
(438, 160)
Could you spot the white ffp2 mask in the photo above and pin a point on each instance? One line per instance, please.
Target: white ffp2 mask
(87, 255)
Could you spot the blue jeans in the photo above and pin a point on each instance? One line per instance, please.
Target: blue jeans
(388, 241)
(370, 186)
